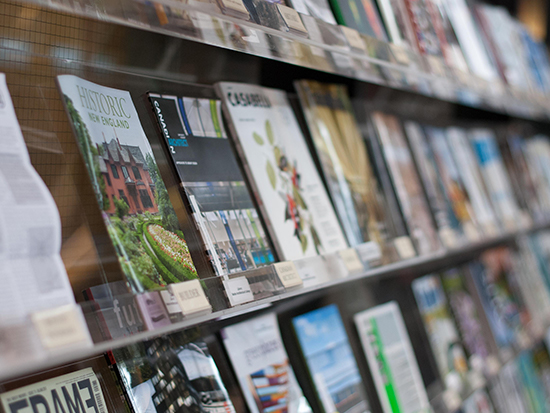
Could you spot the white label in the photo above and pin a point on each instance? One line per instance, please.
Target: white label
(190, 297)
(79, 391)
(252, 37)
(292, 19)
(448, 237)
(354, 38)
(369, 251)
(61, 327)
(471, 232)
(404, 247)
(288, 274)
(235, 5)
(170, 302)
(238, 290)
(317, 51)
(351, 260)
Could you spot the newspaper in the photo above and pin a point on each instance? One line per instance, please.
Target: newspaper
(32, 274)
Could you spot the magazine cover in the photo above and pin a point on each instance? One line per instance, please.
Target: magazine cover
(222, 206)
(471, 176)
(441, 329)
(324, 344)
(538, 153)
(172, 374)
(479, 402)
(452, 183)
(396, 20)
(132, 196)
(424, 21)
(320, 9)
(448, 225)
(465, 314)
(507, 391)
(261, 364)
(290, 192)
(406, 183)
(391, 359)
(360, 15)
(496, 178)
(344, 160)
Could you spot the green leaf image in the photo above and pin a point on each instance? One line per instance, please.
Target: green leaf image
(271, 174)
(277, 153)
(303, 241)
(269, 132)
(316, 239)
(258, 138)
(298, 198)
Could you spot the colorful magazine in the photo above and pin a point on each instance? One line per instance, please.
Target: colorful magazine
(222, 206)
(361, 16)
(452, 183)
(424, 22)
(280, 168)
(448, 225)
(465, 314)
(172, 374)
(471, 176)
(441, 329)
(132, 196)
(261, 364)
(325, 347)
(391, 359)
(495, 177)
(344, 161)
(407, 186)
(396, 20)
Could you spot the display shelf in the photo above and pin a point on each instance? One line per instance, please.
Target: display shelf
(406, 268)
(326, 48)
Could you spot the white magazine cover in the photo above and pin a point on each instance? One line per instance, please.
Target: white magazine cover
(469, 39)
(391, 359)
(496, 178)
(262, 367)
(467, 165)
(292, 197)
(320, 9)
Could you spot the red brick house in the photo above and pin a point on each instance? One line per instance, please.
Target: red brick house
(126, 176)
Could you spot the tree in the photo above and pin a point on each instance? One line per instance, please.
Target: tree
(121, 207)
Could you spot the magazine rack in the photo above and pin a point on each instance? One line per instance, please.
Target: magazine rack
(244, 49)
(325, 48)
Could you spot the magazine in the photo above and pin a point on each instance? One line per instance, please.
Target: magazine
(448, 225)
(172, 374)
(465, 314)
(495, 177)
(479, 402)
(344, 161)
(280, 168)
(391, 359)
(130, 192)
(452, 183)
(397, 22)
(468, 168)
(360, 15)
(325, 347)
(261, 364)
(424, 22)
(222, 206)
(320, 9)
(407, 186)
(441, 329)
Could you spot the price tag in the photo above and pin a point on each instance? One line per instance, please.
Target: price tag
(238, 290)
(354, 38)
(404, 247)
(190, 296)
(235, 5)
(369, 252)
(448, 237)
(351, 260)
(288, 274)
(292, 19)
(61, 327)
(471, 232)
(170, 302)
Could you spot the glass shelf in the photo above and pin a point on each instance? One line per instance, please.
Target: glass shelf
(325, 48)
(92, 310)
